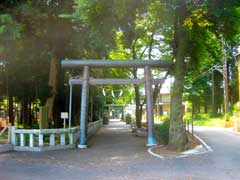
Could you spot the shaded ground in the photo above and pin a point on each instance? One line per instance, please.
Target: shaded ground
(116, 154)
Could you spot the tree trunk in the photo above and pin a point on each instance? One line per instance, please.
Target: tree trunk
(141, 109)
(20, 121)
(53, 85)
(10, 110)
(206, 108)
(177, 131)
(214, 109)
(156, 92)
(30, 122)
(217, 94)
(24, 111)
(137, 101)
(140, 112)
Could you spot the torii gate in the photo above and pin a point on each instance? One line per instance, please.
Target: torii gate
(85, 80)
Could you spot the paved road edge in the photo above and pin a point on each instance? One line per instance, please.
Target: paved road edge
(191, 152)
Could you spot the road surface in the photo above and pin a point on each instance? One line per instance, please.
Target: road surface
(115, 153)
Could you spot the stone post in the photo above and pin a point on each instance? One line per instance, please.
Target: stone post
(13, 136)
(9, 132)
(70, 107)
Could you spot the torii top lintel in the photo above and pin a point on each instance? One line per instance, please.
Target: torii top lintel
(115, 63)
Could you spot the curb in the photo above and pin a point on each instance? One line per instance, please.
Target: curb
(209, 149)
(154, 154)
(187, 153)
(6, 148)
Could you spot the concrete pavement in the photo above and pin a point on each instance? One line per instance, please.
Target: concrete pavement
(115, 153)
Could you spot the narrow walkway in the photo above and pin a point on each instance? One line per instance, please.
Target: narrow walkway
(117, 141)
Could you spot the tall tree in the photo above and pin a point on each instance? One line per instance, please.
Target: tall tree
(204, 18)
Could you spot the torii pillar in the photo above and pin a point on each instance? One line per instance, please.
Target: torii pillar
(84, 109)
(149, 102)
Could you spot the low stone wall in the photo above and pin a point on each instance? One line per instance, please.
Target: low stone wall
(48, 139)
(5, 148)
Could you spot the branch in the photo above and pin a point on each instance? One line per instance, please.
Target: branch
(144, 101)
(150, 45)
(141, 55)
(157, 88)
(134, 48)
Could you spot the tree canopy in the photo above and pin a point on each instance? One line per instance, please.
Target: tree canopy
(195, 35)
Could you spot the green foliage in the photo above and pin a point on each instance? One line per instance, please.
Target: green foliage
(10, 31)
(227, 117)
(235, 107)
(208, 27)
(187, 117)
(128, 119)
(121, 52)
(3, 138)
(9, 28)
(33, 32)
(207, 120)
(162, 131)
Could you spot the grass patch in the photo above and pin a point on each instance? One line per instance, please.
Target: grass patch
(206, 120)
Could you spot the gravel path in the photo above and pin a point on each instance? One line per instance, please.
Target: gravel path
(115, 153)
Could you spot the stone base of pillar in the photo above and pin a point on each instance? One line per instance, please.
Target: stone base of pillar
(151, 142)
(80, 146)
(151, 145)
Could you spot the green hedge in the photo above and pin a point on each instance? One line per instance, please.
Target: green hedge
(162, 132)
(128, 119)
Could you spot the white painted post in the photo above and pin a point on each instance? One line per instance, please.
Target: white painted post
(70, 107)
(64, 116)
(40, 140)
(62, 138)
(31, 140)
(52, 139)
(22, 140)
(13, 136)
(71, 138)
(9, 132)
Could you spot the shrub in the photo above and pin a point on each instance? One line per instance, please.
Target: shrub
(35, 126)
(187, 116)
(164, 118)
(105, 118)
(235, 107)
(227, 117)
(128, 118)
(162, 131)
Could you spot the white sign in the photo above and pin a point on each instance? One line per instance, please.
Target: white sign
(64, 115)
